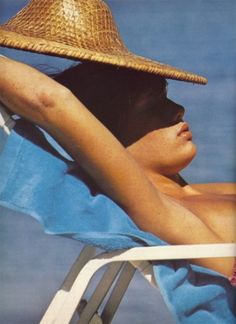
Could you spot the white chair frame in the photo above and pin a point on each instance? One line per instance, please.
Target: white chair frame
(122, 264)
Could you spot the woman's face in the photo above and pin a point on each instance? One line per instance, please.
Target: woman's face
(156, 135)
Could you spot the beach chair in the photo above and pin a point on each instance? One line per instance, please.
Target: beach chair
(69, 305)
(68, 302)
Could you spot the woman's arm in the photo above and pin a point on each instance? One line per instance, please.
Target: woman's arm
(33, 95)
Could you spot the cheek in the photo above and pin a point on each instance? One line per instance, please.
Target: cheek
(161, 140)
(158, 148)
(168, 153)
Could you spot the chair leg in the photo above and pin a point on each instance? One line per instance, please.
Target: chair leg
(96, 320)
(88, 312)
(100, 293)
(85, 255)
(118, 292)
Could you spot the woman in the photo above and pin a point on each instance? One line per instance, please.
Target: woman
(157, 144)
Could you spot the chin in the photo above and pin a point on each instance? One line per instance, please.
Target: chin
(189, 154)
(182, 161)
(193, 150)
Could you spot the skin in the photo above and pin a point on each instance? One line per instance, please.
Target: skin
(176, 212)
(162, 150)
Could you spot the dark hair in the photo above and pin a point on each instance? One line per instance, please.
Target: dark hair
(108, 91)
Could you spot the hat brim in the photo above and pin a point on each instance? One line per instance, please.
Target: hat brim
(126, 59)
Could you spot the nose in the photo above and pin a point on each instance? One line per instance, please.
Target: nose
(175, 111)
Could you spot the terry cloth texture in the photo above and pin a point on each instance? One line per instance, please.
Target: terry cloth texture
(39, 179)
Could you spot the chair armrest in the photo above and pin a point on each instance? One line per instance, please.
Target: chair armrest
(172, 252)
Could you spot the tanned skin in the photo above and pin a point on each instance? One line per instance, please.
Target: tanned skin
(147, 182)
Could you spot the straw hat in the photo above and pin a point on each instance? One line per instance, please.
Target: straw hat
(79, 29)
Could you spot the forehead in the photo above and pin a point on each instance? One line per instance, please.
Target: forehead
(144, 82)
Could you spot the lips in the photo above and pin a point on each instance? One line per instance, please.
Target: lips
(184, 131)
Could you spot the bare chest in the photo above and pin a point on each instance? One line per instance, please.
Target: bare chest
(217, 211)
(210, 205)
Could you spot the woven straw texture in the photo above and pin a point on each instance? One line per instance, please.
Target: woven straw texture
(79, 29)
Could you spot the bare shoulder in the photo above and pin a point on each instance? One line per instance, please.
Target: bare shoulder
(217, 188)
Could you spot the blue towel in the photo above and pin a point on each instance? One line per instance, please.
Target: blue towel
(39, 178)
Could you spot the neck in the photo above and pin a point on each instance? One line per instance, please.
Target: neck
(174, 185)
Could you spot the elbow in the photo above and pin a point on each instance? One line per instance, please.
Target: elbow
(51, 104)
